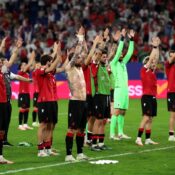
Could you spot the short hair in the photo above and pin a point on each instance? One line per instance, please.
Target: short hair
(145, 60)
(44, 59)
(22, 61)
(105, 51)
(171, 51)
(37, 60)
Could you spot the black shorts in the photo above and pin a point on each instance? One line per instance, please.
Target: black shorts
(3, 115)
(35, 98)
(48, 112)
(171, 101)
(112, 95)
(77, 114)
(24, 101)
(90, 105)
(149, 105)
(102, 106)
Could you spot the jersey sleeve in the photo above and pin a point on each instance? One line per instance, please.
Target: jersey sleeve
(40, 71)
(118, 53)
(94, 69)
(129, 52)
(12, 76)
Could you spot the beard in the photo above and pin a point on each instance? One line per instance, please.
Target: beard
(78, 65)
(102, 63)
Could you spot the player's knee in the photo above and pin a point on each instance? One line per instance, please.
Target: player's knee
(117, 112)
(123, 113)
(70, 130)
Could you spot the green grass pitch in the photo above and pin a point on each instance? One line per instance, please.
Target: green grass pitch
(149, 159)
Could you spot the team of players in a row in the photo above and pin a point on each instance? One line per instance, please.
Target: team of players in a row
(89, 74)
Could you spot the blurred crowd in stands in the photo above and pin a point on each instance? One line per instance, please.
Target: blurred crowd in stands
(41, 22)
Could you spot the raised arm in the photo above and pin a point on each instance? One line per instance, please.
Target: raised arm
(56, 61)
(79, 46)
(2, 46)
(115, 38)
(62, 68)
(120, 48)
(154, 55)
(130, 51)
(31, 61)
(15, 53)
(92, 51)
(54, 53)
(104, 39)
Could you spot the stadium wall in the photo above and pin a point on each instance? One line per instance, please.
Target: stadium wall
(135, 89)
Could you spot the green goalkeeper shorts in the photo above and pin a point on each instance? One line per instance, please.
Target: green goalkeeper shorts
(121, 98)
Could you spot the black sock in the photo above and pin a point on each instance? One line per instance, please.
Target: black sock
(20, 118)
(69, 143)
(89, 136)
(79, 142)
(171, 133)
(148, 134)
(94, 139)
(34, 116)
(1, 147)
(140, 132)
(1, 140)
(101, 138)
(7, 120)
(26, 114)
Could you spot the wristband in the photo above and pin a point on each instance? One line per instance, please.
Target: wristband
(80, 38)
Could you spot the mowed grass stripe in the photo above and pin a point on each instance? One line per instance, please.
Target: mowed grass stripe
(95, 158)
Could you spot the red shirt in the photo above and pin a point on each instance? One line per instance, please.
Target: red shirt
(94, 68)
(54, 86)
(3, 95)
(149, 82)
(35, 83)
(45, 85)
(24, 87)
(87, 77)
(170, 73)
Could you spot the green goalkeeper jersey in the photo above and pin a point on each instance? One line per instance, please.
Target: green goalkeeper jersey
(118, 68)
(112, 81)
(103, 80)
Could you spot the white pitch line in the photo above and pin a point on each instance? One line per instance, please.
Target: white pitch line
(101, 157)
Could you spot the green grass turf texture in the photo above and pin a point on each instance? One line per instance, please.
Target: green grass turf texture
(159, 162)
